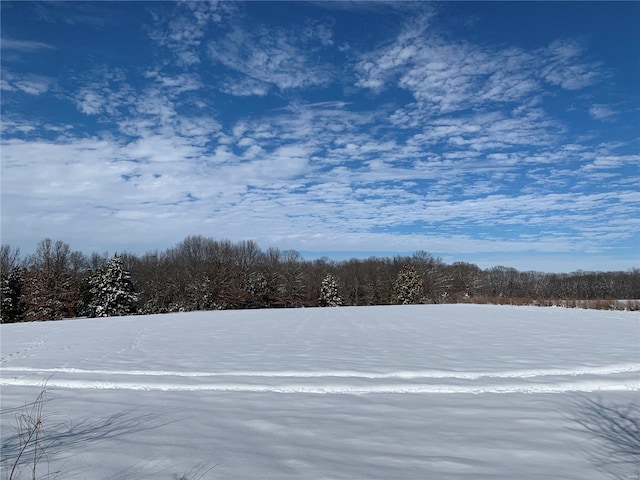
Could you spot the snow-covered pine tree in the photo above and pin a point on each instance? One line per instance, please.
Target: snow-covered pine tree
(408, 288)
(329, 296)
(258, 290)
(112, 291)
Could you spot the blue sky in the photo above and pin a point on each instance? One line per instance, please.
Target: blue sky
(496, 133)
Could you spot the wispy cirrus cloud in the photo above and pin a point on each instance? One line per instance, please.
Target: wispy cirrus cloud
(23, 46)
(14, 52)
(84, 14)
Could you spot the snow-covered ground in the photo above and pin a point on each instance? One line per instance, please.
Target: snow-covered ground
(406, 392)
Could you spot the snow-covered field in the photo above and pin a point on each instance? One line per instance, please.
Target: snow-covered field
(406, 392)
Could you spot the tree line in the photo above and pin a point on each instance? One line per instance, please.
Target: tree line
(202, 273)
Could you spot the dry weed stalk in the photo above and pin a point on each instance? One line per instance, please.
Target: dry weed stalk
(30, 430)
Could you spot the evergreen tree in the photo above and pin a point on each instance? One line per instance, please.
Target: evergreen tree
(13, 307)
(48, 297)
(257, 290)
(408, 287)
(112, 291)
(50, 287)
(329, 296)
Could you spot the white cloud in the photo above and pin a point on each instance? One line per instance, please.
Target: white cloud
(563, 66)
(245, 87)
(446, 76)
(605, 162)
(26, 83)
(601, 112)
(183, 29)
(90, 102)
(280, 198)
(176, 83)
(93, 14)
(10, 126)
(103, 91)
(268, 56)
(24, 46)
(318, 31)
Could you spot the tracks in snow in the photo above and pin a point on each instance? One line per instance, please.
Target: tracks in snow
(619, 377)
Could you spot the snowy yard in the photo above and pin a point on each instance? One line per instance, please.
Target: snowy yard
(395, 392)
